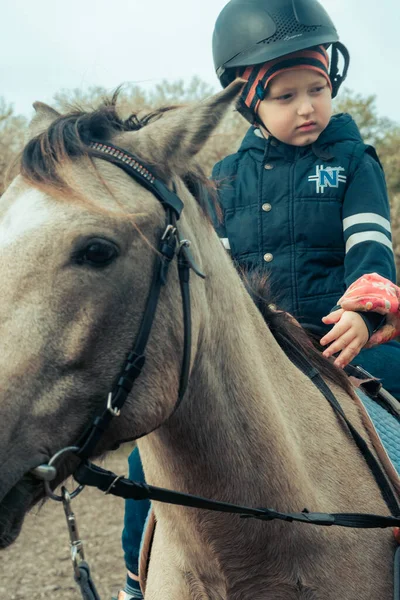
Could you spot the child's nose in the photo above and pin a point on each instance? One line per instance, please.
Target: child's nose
(305, 108)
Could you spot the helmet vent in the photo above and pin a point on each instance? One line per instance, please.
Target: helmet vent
(287, 26)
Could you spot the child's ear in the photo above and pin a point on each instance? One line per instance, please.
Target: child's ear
(171, 141)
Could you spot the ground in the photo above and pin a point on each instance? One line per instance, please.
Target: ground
(38, 564)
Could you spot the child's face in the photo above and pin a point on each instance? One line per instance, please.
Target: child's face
(297, 107)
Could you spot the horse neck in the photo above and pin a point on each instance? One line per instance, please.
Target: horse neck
(231, 414)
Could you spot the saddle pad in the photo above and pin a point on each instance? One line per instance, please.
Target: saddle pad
(387, 427)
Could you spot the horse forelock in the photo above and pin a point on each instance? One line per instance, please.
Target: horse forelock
(68, 137)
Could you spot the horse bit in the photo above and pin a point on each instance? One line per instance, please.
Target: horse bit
(172, 245)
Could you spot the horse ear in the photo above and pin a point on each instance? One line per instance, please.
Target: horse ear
(178, 135)
(41, 120)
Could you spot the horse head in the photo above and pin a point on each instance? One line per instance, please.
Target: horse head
(79, 239)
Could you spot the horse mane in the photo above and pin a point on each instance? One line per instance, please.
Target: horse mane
(68, 137)
(288, 332)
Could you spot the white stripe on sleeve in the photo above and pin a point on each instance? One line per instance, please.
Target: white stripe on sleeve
(225, 243)
(366, 218)
(368, 236)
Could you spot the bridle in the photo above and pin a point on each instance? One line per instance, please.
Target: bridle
(171, 245)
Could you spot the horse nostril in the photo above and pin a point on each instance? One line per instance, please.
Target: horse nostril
(44, 472)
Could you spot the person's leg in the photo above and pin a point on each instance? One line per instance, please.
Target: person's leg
(135, 516)
(383, 362)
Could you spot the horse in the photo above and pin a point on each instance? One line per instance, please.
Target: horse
(78, 240)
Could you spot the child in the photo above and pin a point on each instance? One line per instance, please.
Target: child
(303, 197)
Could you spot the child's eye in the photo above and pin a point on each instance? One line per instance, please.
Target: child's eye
(284, 97)
(318, 89)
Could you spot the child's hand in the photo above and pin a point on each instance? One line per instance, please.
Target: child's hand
(349, 335)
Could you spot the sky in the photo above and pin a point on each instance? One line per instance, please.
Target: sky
(47, 46)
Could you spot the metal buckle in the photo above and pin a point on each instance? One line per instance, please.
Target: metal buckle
(108, 490)
(170, 230)
(47, 487)
(76, 544)
(114, 411)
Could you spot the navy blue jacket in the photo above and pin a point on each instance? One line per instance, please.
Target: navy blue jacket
(315, 217)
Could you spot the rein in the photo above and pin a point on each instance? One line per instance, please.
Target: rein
(89, 474)
(172, 245)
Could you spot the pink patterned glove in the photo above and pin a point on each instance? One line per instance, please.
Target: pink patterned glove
(374, 293)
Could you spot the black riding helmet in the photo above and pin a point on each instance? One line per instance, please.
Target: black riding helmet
(250, 32)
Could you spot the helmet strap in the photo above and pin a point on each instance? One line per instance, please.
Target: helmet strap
(257, 122)
(337, 78)
(252, 117)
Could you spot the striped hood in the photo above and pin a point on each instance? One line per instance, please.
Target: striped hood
(259, 77)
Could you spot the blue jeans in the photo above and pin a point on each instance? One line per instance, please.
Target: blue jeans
(381, 361)
(136, 512)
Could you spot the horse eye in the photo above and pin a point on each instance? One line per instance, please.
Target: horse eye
(97, 253)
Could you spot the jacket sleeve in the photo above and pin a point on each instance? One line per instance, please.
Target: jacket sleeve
(366, 228)
(366, 222)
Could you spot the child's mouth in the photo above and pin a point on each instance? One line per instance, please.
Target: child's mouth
(307, 126)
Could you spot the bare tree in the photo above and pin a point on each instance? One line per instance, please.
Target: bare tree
(12, 132)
